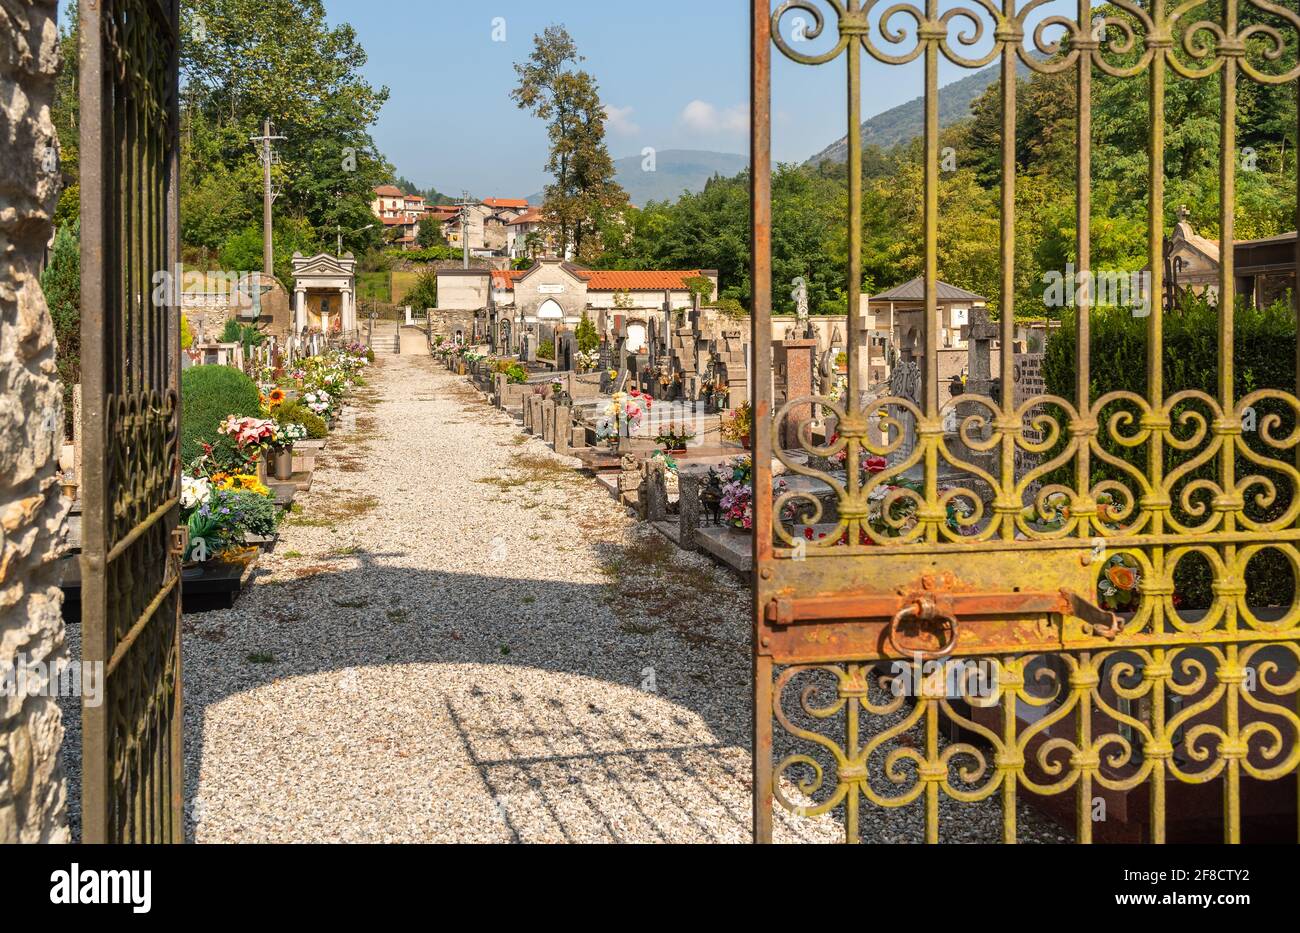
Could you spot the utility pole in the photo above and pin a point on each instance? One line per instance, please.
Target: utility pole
(268, 250)
(465, 204)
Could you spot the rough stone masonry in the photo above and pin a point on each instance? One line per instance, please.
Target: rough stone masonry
(32, 790)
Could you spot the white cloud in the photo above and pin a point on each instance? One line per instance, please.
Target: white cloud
(700, 116)
(620, 120)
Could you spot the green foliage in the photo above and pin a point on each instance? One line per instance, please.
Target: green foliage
(729, 307)
(428, 254)
(282, 58)
(585, 334)
(230, 332)
(187, 335)
(296, 412)
(430, 235)
(546, 350)
(516, 374)
(424, 294)
(243, 250)
(257, 514)
(208, 395)
(584, 198)
(1264, 342)
(61, 283)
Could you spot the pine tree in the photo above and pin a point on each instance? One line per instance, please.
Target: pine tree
(584, 197)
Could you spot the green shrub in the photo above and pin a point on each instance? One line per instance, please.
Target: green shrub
(515, 373)
(1264, 343)
(61, 282)
(546, 350)
(208, 395)
(297, 413)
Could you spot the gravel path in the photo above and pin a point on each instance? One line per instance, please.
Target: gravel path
(460, 638)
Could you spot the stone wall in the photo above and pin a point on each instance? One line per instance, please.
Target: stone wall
(32, 790)
(446, 322)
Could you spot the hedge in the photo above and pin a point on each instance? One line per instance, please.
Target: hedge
(296, 412)
(208, 395)
(1264, 357)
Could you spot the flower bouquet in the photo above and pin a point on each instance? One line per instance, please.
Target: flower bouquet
(1117, 589)
(738, 424)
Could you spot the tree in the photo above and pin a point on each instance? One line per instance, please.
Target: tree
(430, 235)
(584, 197)
(61, 283)
(424, 294)
(247, 60)
(585, 334)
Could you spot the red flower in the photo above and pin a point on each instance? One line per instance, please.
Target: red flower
(808, 533)
(875, 464)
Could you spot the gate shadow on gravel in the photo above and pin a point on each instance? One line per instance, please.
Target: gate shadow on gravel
(660, 742)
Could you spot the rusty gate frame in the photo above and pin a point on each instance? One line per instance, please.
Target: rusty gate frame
(836, 610)
(132, 745)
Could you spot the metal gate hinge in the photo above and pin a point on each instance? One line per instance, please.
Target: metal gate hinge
(180, 540)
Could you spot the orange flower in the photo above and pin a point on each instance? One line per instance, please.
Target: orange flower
(276, 396)
(1123, 577)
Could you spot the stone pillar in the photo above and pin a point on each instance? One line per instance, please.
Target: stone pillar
(629, 480)
(563, 429)
(799, 362)
(654, 492)
(299, 309)
(348, 310)
(33, 793)
(688, 509)
(499, 385)
(548, 420)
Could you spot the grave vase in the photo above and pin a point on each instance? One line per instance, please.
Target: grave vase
(284, 462)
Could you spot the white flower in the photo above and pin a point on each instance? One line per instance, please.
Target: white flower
(194, 490)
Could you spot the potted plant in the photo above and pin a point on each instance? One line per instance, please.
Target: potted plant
(282, 447)
(738, 424)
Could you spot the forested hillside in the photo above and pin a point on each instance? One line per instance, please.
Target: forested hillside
(710, 229)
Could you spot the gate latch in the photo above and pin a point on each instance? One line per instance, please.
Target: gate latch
(939, 611)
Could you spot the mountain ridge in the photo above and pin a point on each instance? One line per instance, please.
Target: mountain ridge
(906, 122)
(676, 170)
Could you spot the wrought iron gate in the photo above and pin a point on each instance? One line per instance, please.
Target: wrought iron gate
(132, 787)
(1085, 702)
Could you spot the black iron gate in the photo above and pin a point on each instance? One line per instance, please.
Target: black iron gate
(132, 782)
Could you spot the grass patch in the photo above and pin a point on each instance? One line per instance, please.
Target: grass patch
(261, 657)
(398, 615)
(293, 555)
(345, 551)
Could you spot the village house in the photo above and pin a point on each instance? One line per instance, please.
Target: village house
(486, 225)
(400, 213)
(525, 236)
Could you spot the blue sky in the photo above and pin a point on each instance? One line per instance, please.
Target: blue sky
(675, 73)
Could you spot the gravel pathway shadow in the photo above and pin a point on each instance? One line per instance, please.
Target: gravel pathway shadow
(459, 638)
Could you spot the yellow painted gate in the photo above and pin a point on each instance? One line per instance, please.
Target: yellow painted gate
(962, 599)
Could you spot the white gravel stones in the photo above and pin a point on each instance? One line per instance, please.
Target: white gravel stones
(460, 639)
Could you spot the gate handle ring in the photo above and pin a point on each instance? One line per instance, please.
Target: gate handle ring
(923, 608)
